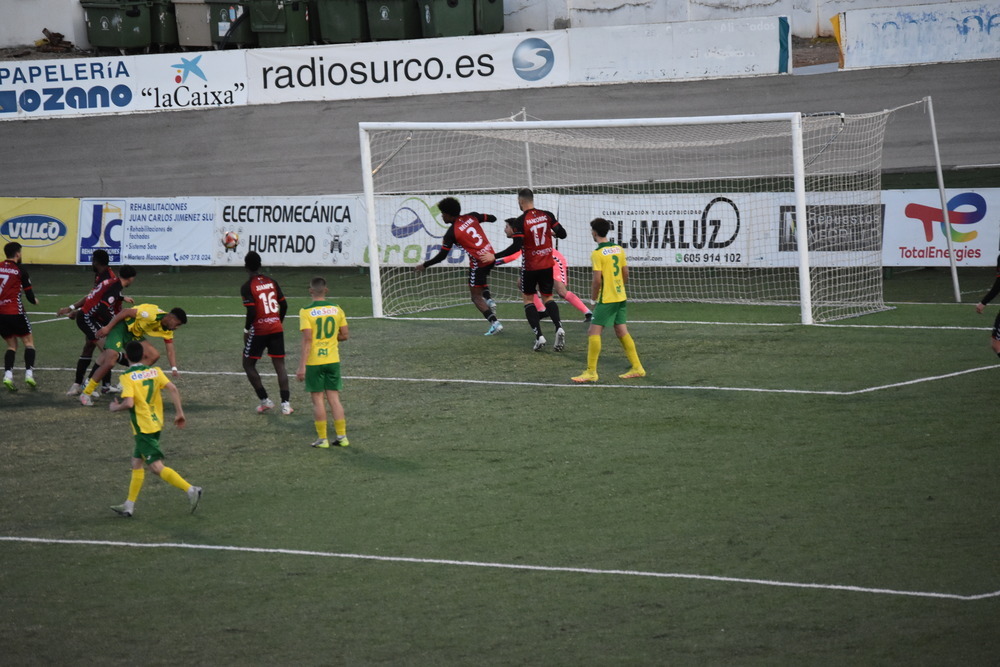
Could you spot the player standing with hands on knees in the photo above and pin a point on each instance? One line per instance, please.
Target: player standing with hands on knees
(14, 322)
(466, 231)
(324, 326)
(608, 290)
(981, 306)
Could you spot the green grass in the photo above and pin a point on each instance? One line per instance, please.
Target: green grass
(478, 451)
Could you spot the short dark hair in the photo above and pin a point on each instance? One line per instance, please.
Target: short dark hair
(317, 283)
(450, 206)
(11, 249)
(601, 226)
(101, 257)
(127, 271)
(179, 313)
(252, 261)
(526, 193)
(134, 351)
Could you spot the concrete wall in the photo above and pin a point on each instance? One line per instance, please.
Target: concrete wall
(21, 21)
(809, 18)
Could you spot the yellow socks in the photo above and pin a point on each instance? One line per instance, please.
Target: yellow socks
(339, 427)
(170, 476)
(320, 429)
(135, 486)
(593, 352)
(91, 386)
(629, 346)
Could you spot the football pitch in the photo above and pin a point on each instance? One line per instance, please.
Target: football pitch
(770, 493)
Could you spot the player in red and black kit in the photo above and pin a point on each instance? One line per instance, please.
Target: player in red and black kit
(263, 330)
(95, 311)
(467, 232)
(981, 306)
(14, 322)
(531, 234)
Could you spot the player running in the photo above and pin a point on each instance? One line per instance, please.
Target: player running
(466, 231)
(264, 330)
(142, 396)
(14, 322)
(531, 234)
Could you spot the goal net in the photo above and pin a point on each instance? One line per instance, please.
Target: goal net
(753, 209)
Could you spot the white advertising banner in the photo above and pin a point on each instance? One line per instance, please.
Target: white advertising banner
(716, 229)
(127, 84)
(684, 50)
(408, 67)
(721, 229)
(417, 228)
(915, 229)
(945, 32)
(175, 232)
(290, 231)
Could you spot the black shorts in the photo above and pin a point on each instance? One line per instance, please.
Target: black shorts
(14, 325)
(256, 344)
(88, 326)
(539, 280)
(479, 276)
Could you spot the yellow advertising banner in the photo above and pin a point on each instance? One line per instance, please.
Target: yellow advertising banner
(45, 228)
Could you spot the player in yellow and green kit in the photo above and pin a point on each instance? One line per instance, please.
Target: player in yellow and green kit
(608, 290)
(135, 324)
(142, 396)
(324, 327)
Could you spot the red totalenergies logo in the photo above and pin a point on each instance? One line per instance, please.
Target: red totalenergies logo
(929, 215)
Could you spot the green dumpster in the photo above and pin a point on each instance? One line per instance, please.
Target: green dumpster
(489, 17)
(447, 18)
(314, 36)
(229, 24)
(393, 19)
(280, 22)
(123, 24)
(342, 21)
(163, 23)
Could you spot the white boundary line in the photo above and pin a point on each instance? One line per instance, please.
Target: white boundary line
(759, 390)
(632, 387)
(675, 322)
(509, 566)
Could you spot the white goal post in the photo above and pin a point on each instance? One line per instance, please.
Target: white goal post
(770, 209)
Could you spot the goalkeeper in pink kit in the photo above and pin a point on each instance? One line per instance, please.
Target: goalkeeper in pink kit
(560, 282)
